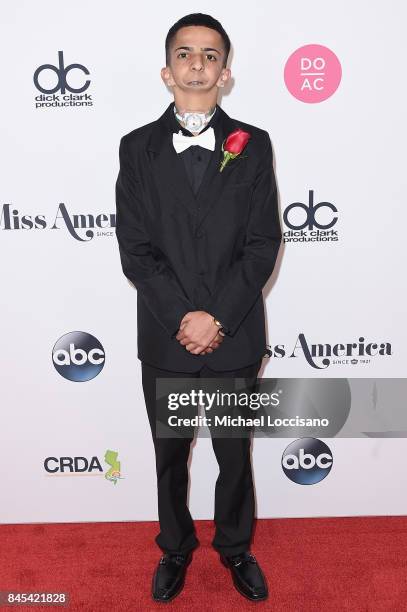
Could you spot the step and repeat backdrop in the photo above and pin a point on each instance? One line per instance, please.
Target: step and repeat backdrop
(327, 84)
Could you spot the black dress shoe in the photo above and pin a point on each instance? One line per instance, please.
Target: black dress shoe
(169, 576)
(247, 576)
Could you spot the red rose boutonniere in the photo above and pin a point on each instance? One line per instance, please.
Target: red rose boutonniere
(233, 145)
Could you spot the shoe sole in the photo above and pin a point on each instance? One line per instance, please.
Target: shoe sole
(236, 585)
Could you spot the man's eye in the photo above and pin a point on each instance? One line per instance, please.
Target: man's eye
(209, 55)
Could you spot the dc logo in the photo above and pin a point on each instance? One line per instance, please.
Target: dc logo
(78, 356)
(307, 461)
(61, 71)
(310, 216)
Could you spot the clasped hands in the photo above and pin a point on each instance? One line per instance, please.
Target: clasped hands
(198, 333)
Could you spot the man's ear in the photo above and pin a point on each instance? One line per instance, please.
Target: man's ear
(166, 76)
(224, 77)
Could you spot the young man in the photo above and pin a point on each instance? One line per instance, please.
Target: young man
(198, 231)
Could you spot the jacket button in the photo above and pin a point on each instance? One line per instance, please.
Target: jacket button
(199, 234)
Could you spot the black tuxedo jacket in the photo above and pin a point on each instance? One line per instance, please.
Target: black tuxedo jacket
(212, 251)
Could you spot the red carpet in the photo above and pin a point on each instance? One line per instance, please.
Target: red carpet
(312, 565)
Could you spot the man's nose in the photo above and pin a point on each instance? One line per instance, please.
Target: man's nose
(197, 62)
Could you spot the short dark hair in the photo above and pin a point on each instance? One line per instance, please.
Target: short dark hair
(196, 19)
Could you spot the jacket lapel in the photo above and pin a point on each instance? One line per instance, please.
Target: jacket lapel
(170, 174)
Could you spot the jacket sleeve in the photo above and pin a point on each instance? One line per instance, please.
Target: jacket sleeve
(241, 284)
(154, 280)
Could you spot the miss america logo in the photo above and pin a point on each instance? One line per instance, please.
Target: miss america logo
(83, 227)
(321, 356)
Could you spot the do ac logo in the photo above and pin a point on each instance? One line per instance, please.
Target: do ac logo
(307, 461)
(78, 356)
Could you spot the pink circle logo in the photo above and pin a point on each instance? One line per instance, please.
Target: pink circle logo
(312, 73)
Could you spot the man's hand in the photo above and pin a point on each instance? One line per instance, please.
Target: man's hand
(199, 333)
(215, 343)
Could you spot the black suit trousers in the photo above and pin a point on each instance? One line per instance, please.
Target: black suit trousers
(234, 493)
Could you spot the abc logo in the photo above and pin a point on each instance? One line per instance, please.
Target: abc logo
(78, 356)
(61, 71)
(307, 461)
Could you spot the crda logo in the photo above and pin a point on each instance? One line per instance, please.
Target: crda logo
(61, 71)
(73, 465)
(310, 217)
(307, 461)
(84, 466)
(78, 356)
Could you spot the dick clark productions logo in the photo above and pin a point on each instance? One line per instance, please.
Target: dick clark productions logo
(65, 81)
(61, 71)
(307, 461)
(78, 356)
